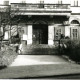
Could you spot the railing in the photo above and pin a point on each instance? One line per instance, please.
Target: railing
(4, 8)
(39, 6)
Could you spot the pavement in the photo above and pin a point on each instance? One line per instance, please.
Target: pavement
(24, 60)
(30, 66)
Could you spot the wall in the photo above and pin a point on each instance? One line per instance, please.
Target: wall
(75, 9)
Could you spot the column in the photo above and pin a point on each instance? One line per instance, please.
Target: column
(51, 34)
(79, 32)
(67, 31)
(6, 33)
(29, 41)
(9, 32)
(24, 37)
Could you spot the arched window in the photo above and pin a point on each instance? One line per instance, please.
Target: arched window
(74, 22)
(75, 30)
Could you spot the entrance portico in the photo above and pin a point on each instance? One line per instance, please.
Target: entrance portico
(40, 34)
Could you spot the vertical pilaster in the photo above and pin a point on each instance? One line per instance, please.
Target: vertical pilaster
(6, 34)
(50, 34)
(9, 32)
(29, 41)
(67, 31)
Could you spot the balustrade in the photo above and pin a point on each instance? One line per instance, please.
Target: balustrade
(39, 6)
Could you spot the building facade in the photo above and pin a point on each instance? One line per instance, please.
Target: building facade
(44, 23)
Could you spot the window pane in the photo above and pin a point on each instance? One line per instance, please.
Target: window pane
(75, 33)
(58, 34)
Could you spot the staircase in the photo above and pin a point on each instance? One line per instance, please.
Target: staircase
(40, 49)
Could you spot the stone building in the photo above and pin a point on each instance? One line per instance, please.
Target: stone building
(44, 23)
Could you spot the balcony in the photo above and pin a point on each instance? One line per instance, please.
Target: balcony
(4, 8)
(40, 9)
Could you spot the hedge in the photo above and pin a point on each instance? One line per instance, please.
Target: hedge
(72, 49)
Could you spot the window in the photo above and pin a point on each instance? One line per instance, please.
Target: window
(6, 2)
(75, 33)
(59, 1)
(42, 1)
(76, 3)
(58, 34)
(41, 5)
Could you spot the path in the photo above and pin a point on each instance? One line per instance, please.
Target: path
(28, 66)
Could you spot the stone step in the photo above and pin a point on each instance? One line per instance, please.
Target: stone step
(39, 49)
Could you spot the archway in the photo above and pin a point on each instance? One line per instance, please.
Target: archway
(40, 33)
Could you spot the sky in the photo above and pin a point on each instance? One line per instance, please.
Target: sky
(34, 1)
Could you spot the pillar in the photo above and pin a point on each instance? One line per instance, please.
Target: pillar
(50, 35)
(67, 31)
(6, 37)
(29, 40)
(6, 33)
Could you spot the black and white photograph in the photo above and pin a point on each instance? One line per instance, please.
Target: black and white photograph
(40, 39)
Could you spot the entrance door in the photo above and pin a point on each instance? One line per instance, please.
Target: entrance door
(40, 34)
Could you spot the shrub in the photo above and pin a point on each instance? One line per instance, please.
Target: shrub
(7, 55)
(72, 49)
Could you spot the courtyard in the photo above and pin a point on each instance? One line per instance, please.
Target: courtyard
(37, 66)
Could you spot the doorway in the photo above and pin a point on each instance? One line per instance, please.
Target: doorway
(40, 34)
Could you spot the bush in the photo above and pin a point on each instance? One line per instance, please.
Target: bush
(7, 55)
(72, 49)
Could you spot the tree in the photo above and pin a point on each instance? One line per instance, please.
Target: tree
(7, 17)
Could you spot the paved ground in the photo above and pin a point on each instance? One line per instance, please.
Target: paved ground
(23, 60)
(29, 66)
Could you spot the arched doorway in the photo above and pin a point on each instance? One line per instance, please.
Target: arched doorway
(40, 33)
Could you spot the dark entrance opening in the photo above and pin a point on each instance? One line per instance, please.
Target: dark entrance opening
(40, 34)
